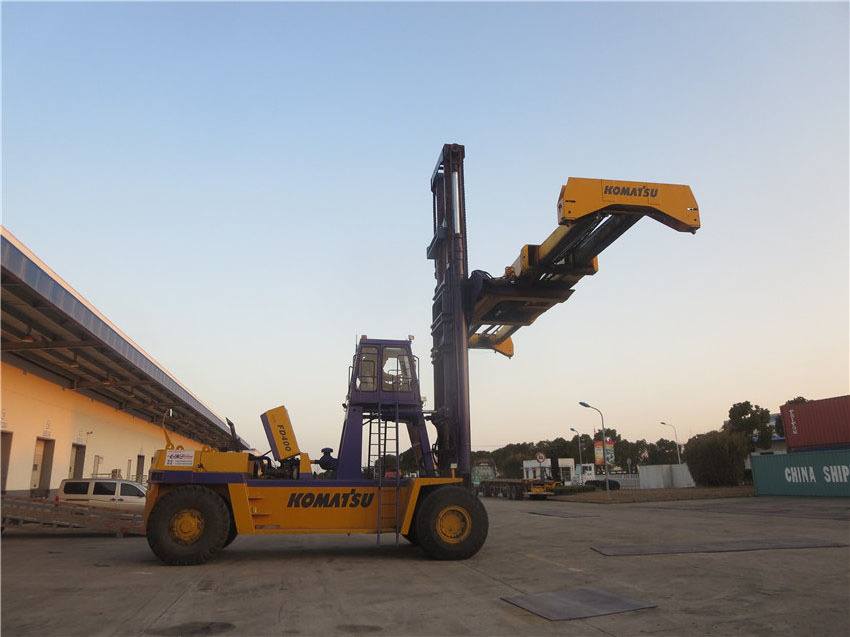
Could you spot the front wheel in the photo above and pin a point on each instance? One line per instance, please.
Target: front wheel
(188, 526)
(451, 524)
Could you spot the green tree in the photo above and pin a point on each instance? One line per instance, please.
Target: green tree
(611, 433)
(753, 422)
(481, 455)
(625, 451)
(557, 448)
(509, 458)
(384, 464)
(716, 459)
(661, 452)
(586, 444)
(407, 460)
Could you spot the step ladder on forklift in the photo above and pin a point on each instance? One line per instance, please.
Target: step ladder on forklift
(383, 444)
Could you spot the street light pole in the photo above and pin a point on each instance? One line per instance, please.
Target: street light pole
(676, 436)
(580, 461)
(604, 453)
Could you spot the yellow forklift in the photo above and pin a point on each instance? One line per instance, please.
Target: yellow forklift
(198, 501)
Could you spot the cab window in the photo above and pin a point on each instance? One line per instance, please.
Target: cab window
(367, 369)
(397, 370)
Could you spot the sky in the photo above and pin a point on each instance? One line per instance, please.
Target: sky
(244, 190)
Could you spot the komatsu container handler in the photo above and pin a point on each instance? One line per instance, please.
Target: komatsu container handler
(198, 501)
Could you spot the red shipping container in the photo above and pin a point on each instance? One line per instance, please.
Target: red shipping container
(817, 423)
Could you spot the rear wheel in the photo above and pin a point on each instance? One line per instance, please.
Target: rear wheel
(451, 524)
(188, 526)
(231, 534)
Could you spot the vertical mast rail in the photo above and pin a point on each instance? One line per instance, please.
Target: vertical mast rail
(449, 327)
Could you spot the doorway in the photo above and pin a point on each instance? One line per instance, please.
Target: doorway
(140, 468)
(42, 467)
(5, 455)
(78, 460)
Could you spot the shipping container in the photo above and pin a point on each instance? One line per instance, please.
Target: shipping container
(803, 473)
(817, 424)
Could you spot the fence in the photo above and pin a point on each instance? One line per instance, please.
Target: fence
(19, 511)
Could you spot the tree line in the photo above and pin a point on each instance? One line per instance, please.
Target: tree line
(749, 427)
(508, 459)
(714, 458)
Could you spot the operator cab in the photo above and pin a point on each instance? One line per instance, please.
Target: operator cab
(384, 373)
(383, 393)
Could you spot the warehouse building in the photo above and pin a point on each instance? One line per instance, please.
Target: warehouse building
(79, 398)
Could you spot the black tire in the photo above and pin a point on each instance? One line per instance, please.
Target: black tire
(451, 524)
(486, 490)
(188, 526)
(231, 534)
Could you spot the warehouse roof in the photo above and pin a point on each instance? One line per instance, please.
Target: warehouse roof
(50, 330)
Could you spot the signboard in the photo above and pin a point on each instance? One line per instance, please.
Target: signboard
(541, 457)
(609, 451)
(179, 458)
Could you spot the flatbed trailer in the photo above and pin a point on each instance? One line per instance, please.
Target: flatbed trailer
(517, 488)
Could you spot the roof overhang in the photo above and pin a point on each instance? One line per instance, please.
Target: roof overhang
(51, 331)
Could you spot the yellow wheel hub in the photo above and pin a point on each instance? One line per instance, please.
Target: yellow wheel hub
(187, 526)
(453, 524)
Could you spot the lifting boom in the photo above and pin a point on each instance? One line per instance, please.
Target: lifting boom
(477, 310)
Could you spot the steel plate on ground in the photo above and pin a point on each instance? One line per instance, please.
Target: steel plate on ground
(717, 547)
(576, 604)
(561, 514)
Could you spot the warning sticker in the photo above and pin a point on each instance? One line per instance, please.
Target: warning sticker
(179, 458)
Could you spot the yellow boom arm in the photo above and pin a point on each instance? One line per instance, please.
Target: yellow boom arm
(592, 214)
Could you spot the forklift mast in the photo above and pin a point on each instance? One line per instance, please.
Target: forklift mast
(449, 353)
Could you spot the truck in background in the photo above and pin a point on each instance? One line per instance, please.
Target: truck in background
(483, 470)
(583, 474)
(540, 477)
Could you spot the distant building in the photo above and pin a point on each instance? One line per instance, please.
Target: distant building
(533, 470)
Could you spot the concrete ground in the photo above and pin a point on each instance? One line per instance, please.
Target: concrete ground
(66, 584)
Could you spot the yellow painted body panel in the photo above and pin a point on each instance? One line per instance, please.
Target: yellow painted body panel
(314, 506)
(281, 433)
(674, 205)
(486, 341)
(207, 460)
(321, 507)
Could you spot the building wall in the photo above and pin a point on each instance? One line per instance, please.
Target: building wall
(533, 470)
(34, 409)
(665, 476)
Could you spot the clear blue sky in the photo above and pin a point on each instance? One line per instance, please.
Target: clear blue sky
(244, 188)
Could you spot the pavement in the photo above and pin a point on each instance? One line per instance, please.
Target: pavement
(722, 576)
